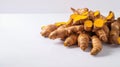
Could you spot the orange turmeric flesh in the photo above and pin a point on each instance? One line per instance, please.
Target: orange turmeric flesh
(99, 23)
(88, 25)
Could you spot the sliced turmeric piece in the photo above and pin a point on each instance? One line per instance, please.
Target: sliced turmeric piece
(72, 16)
(99, 22)
(97, 45)
(85, 13)
(60, 23)
(110, 16)
(79, 17)
(97, 13)
(88, 25)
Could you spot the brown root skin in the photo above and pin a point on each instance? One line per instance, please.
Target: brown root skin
(113, 37)
(114, 33)
(102, 35)
(74, 11)
(63, 32)
(48, 29)
(91, 15)
(83, 40)
(97, 45)
(83, 10)
(60, 33)
(106, 29)
(71, 40)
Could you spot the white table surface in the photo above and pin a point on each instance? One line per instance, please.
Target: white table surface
(22, 46)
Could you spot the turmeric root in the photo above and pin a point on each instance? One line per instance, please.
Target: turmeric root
(71, 40)
(61, 33)
(102, 35)
(96, 45)
(114, 33)
(46, 30)
(84, 26)
(88, 25)
(83, 40)
(106, 29)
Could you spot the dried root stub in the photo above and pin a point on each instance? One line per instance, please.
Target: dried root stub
(83, 27)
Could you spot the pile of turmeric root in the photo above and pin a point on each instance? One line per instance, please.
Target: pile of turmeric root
(86, 27)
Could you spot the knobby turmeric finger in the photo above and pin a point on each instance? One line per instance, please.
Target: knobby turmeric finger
(46, 30)
(71, 40)
(96, 45)
(83, 40)
(114, 33)
(102, 35)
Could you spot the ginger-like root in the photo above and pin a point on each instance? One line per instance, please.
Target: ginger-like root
(102, 35)
(114, 33)
(106, 29)
(46, 30)
(83, 40)
(71, 40)
(96, 45)
(88, 25)
(63, 32)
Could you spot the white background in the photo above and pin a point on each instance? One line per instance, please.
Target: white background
(56, 6)
(21, 45)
